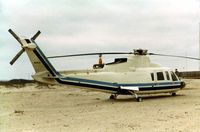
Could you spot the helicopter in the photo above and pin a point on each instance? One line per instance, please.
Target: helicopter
(133, 75)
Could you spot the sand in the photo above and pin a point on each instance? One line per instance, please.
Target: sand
(37, 108)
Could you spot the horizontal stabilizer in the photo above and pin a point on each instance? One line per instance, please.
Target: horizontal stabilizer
(50, 77)
(130, 88)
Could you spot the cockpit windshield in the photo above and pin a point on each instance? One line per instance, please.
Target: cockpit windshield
(174, 78)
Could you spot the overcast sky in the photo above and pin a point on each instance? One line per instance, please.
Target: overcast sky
(80, 26)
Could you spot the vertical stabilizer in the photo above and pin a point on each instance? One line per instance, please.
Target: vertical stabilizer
(38, 59)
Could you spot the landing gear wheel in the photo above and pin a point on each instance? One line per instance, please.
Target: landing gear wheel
(113, 96)
(173, 94)
(139, 99)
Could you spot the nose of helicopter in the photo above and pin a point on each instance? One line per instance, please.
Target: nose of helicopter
(183, 84)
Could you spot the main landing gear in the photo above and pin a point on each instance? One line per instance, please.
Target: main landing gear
(139, 99)
(113, 96)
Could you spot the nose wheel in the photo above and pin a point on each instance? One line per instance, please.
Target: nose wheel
(173, 94)
(139, 99)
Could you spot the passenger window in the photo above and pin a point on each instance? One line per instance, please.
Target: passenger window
(174, 78)
(167, 75)
(152, 76)
(160, 76)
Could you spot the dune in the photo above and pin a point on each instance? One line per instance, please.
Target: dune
(34, 107)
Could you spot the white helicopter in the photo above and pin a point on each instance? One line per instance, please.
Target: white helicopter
(132, 75)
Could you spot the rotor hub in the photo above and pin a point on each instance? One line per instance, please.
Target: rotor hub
(140, 51)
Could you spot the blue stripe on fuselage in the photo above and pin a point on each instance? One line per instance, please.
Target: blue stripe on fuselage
(116, 84)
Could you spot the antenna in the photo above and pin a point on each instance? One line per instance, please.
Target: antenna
(199, 46)
(186, 62)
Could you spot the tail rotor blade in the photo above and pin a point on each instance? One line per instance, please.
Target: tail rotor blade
(15, 36)
(36, 35)
(17, 56)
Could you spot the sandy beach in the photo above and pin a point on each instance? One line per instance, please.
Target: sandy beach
(40, 108)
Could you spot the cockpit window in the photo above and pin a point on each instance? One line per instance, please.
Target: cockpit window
(174, 78)
(152, 76)
(118, 60)
(160, 76)
(167, 75)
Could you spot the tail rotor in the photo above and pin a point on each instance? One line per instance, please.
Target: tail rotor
(20, 41)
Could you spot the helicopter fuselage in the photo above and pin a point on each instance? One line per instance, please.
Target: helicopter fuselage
(137, 72)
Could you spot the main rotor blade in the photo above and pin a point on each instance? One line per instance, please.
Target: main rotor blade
(103, 53)
(15, 36)
(36, 35)
(17, 56)
(193, 58)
